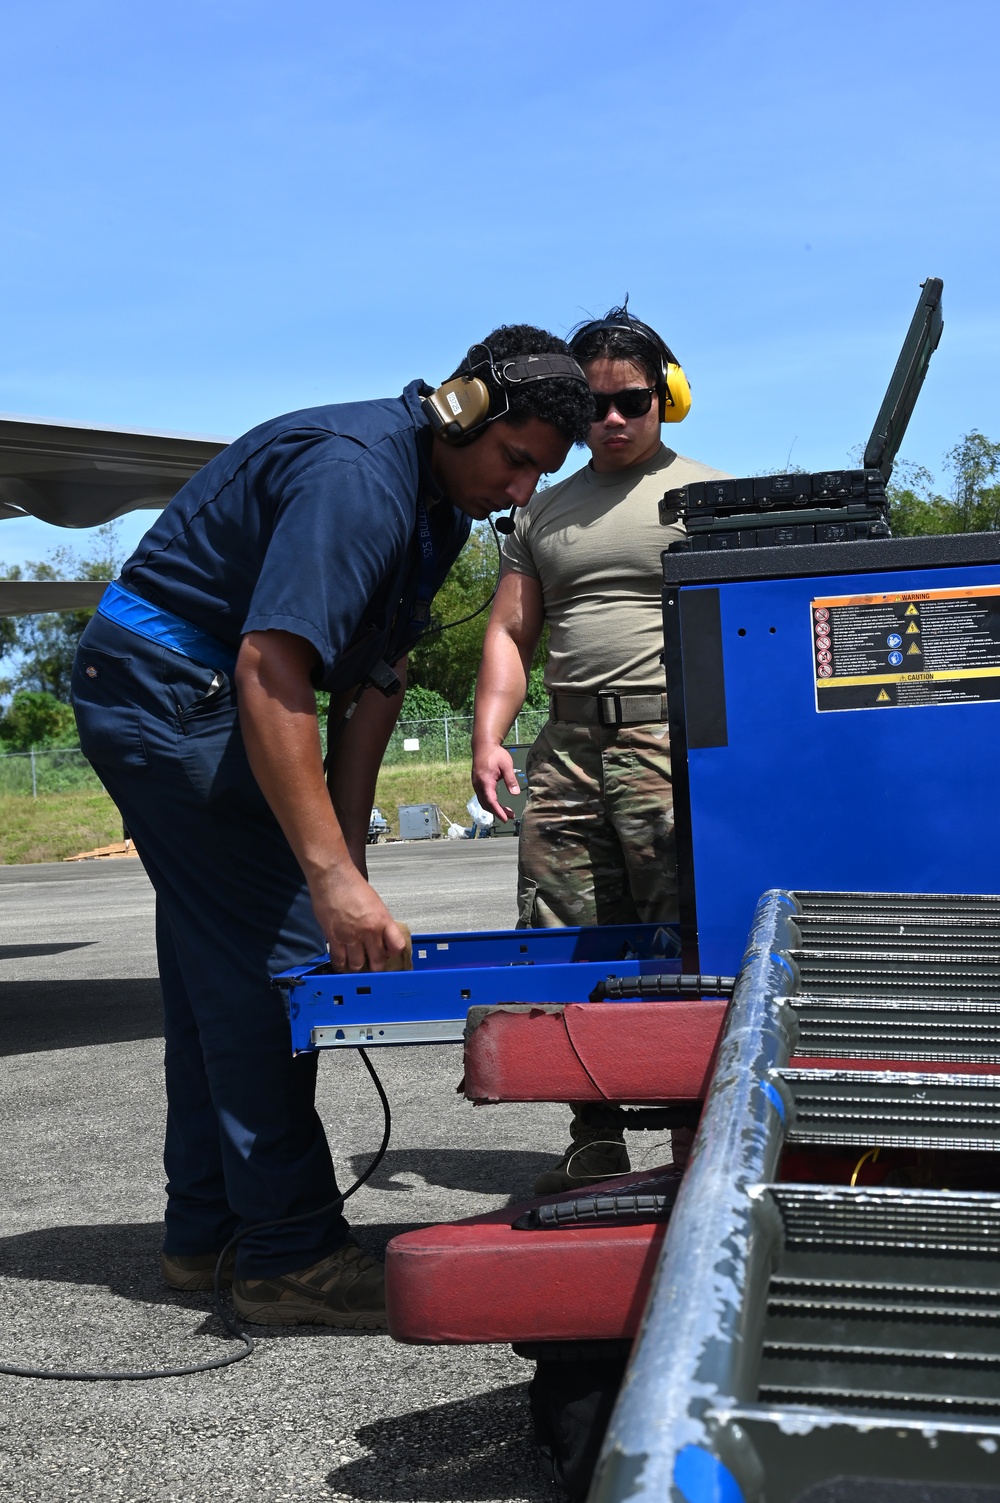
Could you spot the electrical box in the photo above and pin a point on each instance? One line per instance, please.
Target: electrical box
(419, 821)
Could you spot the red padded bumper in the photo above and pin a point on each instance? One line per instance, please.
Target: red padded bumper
(479, 1280)
(621, 1051)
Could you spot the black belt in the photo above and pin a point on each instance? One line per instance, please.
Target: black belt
(609, 708)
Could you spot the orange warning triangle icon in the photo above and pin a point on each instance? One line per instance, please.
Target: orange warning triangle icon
(911, 610)
(882, 698)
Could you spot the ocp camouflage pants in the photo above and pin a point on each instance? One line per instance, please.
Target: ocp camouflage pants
(597, 836)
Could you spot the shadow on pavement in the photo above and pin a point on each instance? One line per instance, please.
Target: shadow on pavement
(40, 1015)
(125, 1257)
(499, 1171)
(475, 1448)
(25, 952)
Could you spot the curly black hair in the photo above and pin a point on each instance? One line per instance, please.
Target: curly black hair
(565, 403)
(616, 337)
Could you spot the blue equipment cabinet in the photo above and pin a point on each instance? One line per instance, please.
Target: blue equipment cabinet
(834, 724)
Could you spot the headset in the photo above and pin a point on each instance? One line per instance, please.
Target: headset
(461, 408)
(672, 385)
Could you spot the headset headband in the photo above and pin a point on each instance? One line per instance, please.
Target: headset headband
(636, 326)
(461, 408)
(520, 369)
(539, 367)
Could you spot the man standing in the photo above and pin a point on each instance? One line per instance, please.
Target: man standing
(304, 556)
(597, 839)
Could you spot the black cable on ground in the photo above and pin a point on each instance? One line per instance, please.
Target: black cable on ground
(141, 1375)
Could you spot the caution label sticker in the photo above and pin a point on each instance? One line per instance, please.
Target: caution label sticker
(951, 653)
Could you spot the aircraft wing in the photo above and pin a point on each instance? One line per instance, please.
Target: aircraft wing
(80, 475)
(28, 597)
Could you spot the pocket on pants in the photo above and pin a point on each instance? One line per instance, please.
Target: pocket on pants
(107, 711)
(527, 897)
(198, 693)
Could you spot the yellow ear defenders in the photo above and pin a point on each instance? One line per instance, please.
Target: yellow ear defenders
(671, 385)
(461, 408)
(675, 398)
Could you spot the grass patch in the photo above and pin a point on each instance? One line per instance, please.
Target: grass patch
(56, 825)
(449, 785)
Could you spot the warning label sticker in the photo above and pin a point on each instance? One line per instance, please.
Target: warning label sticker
(927, 647)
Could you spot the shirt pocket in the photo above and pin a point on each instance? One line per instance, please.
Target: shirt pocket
(105, 700)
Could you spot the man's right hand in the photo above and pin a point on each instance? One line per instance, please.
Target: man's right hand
(491, 766)
(281, 735)
(360, 931)
(514, 628)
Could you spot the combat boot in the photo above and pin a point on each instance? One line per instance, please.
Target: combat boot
(597, 1151)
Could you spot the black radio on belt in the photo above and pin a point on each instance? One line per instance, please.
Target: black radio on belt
(768, 511)
(832, 506)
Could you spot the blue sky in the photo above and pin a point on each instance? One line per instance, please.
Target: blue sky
(216, 212)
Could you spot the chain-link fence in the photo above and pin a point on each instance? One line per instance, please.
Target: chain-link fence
(65, 769)
(450, 738)
(62, 769)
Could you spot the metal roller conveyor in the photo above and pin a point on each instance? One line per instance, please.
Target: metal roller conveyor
(800, 1334)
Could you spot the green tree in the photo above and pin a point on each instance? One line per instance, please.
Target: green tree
(36, 718)
(420, 703)
(914, 508)
(917, 510)
(43, 646)
(448, 660)
(974, 462)
(8, 624)
(537, 697)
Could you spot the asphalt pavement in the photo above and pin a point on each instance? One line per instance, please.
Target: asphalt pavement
(314, 1414)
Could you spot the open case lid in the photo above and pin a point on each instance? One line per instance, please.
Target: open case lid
(921, 341)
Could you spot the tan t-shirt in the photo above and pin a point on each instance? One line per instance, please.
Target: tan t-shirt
(594, 544)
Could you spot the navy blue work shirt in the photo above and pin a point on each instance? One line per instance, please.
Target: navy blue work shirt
(307, 524)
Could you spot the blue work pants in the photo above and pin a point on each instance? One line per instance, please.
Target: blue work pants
(243, 1141)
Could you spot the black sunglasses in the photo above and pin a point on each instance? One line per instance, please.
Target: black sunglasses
(634, 401)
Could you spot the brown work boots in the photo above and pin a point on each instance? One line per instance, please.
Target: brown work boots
(345, 1289)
